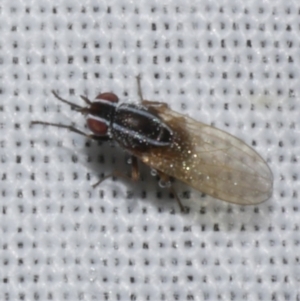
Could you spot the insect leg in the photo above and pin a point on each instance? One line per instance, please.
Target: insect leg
(139, 87)
(72, 129)
(166, 179)
(73, 105)
(173, 191)
(148, 103)
(87, 101)
(135, 174)
(111, 175)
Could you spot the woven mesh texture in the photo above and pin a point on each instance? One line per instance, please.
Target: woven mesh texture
(231, 64)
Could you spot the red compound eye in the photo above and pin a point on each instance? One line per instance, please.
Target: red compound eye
(99, 113)
(97, 127)
(108, 96)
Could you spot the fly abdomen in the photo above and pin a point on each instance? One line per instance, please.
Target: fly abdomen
(136, 128)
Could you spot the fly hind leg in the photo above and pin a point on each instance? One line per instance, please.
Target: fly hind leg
(165, 182)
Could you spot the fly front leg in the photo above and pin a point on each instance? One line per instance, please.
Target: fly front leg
(71, 104)
(72, 129)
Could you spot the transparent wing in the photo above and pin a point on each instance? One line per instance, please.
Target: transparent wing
(211, 161)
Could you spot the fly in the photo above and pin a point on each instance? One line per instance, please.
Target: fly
(176, 146)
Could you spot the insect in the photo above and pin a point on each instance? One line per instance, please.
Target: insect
(176, 146)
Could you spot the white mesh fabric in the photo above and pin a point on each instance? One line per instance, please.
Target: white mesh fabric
(231, 64)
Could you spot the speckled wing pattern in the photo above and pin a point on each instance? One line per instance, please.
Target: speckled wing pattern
(211, 161)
